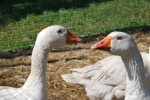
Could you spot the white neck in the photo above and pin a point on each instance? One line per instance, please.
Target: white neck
(135, 78)
(36, 82)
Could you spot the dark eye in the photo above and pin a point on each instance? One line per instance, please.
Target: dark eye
(59, 31)
(119, 38)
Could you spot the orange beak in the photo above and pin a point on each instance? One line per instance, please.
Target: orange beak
(71, 38)
(103, 44)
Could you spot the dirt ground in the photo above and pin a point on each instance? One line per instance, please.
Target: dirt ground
(14, 71)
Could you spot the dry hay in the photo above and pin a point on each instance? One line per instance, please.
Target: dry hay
(13, 72)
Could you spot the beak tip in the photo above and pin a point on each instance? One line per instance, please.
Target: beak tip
(93, 47)
(80, 40)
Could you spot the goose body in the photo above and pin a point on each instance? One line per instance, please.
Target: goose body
(35, 86)
(122, 44)
(105, 80)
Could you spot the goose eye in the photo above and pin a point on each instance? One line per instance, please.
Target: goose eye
(59, 31)
(119, 38)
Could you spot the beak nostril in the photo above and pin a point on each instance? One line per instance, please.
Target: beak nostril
(102, 42)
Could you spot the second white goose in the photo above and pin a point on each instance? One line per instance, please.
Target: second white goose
(122, 44)
(104, 78)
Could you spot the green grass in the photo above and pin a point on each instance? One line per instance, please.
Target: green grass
(96, 18)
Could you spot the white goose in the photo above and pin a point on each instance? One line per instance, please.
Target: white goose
(35, 86)
(122, 44)
(105, 78)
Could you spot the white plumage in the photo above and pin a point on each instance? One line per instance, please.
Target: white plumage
(35, 86)
(105, 80)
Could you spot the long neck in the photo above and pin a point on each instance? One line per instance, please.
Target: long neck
(135, 79)
(37, 77)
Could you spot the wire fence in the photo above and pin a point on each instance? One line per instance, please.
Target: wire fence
(21, 20)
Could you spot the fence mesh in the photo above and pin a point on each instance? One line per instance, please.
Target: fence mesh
(21, 20)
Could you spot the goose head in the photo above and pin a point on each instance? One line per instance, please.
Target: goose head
(55, 36)
(116, 43)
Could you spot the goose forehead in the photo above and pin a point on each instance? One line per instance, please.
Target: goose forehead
(51, 31)
(56, 27)
(117, 33)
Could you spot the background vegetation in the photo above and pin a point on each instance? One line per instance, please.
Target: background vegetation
(21, 20)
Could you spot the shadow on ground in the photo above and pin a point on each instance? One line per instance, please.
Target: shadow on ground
(87, 39)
